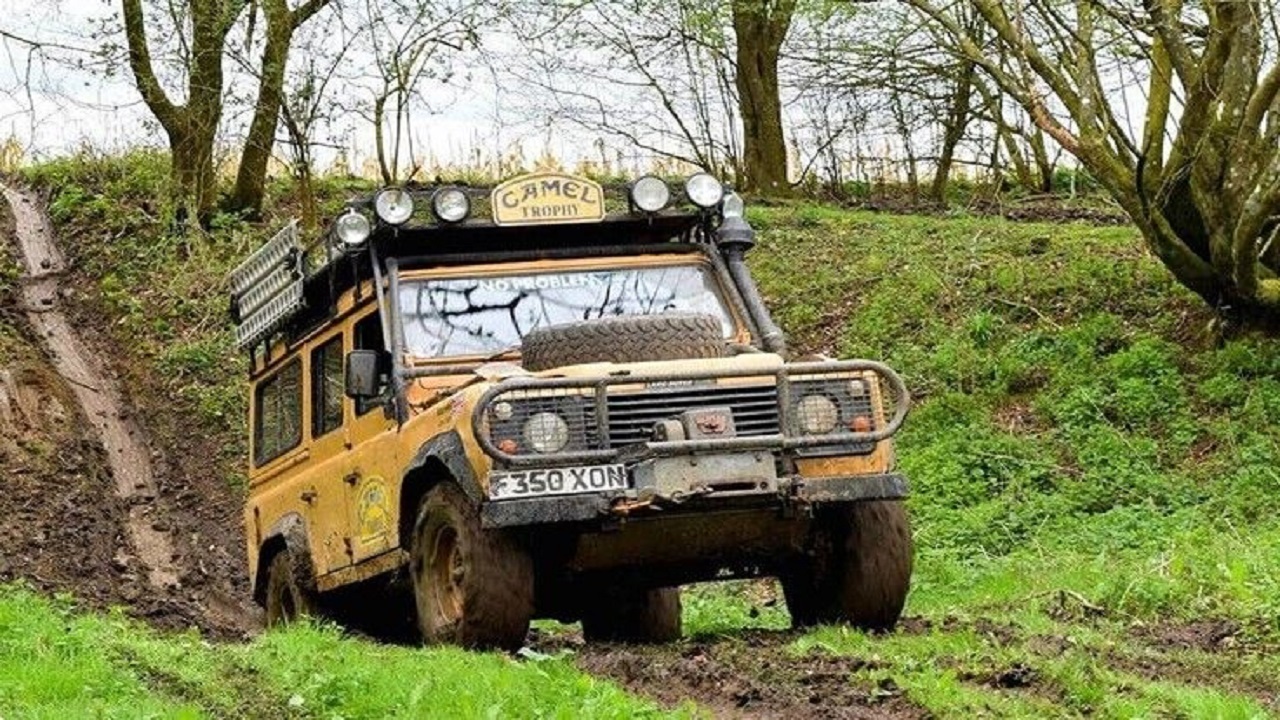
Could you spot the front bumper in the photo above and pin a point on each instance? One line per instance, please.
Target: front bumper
(588, 508)
(597, 396)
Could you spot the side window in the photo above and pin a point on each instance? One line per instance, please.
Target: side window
(368, 336)
(326, 388)
(277, 407)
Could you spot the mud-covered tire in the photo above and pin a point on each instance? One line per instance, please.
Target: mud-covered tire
(857, 569)
(472, 587)
(288, 596)
(626, 338)
(633, 615)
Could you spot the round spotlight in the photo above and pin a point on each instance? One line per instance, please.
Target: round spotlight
(546, 432)
(818, 414)
(352, 228)
(733, 206)
(394, 206)
(704, 191)
(450, 205)
(650, 194)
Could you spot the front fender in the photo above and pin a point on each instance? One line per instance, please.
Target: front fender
(448, 450)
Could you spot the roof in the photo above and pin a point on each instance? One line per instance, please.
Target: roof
(323, 269)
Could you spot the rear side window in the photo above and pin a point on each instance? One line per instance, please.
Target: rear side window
(326, 388)
(278, 414)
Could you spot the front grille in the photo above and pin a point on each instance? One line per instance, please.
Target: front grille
(633, 415)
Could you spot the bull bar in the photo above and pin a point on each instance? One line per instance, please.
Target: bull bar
(786, 440)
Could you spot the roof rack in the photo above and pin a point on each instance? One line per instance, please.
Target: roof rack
(290, 284)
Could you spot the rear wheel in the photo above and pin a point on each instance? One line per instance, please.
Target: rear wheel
(287, 597)
(472, 587)
(857, 570)
(633, 615)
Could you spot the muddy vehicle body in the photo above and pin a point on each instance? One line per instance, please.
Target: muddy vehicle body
(567, 404)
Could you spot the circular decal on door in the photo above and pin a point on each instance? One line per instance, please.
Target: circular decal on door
(373, 510)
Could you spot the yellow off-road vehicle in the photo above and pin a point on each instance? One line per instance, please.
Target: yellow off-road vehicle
(472, 408)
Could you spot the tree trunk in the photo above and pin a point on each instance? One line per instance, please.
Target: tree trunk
(956, 122)
(251, 176)
(192, 171)
(193, 126)
(760, 27)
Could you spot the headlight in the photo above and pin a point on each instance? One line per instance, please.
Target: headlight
(704, 191)
(546, 432)
(352, 228)
(650, 194)
(394, 206)
(450, 205)
(817, 415)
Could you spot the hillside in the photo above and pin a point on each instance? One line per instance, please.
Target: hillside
(1094, 473)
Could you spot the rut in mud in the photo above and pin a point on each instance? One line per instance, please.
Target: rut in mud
(153, 566)
(752, 674)
(127, 456)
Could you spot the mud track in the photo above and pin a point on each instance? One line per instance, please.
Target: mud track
(152, 569)
(750, 674)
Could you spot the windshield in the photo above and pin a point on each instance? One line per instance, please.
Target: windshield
(483, 316)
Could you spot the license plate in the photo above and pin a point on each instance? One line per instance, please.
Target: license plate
(557, 481)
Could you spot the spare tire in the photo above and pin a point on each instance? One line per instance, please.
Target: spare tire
(625, 338)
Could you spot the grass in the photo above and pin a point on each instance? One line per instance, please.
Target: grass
(1094, 470)
(57, 662)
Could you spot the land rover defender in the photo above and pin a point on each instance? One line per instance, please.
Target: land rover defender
(475, 407)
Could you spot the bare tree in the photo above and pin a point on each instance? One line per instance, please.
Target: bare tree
(1201, 177)
(408, 42)
(281, 24)
(657, 76)
(191, 122)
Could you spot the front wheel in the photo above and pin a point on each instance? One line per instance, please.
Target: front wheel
(857, 569)
(472, 587)
(287, 597)
(633, 615)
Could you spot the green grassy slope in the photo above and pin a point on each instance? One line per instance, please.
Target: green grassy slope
(58, 663)
(1095, 476)
(1095, 479)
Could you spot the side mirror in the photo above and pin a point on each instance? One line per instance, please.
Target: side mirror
(362, 377)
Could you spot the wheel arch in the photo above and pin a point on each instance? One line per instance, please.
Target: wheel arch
(288, 533)
(440, 459)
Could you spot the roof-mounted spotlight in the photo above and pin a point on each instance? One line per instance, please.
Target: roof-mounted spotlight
(394, 206)
(352, 229)
(650, 194)
(450, 205)
(704, 191)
